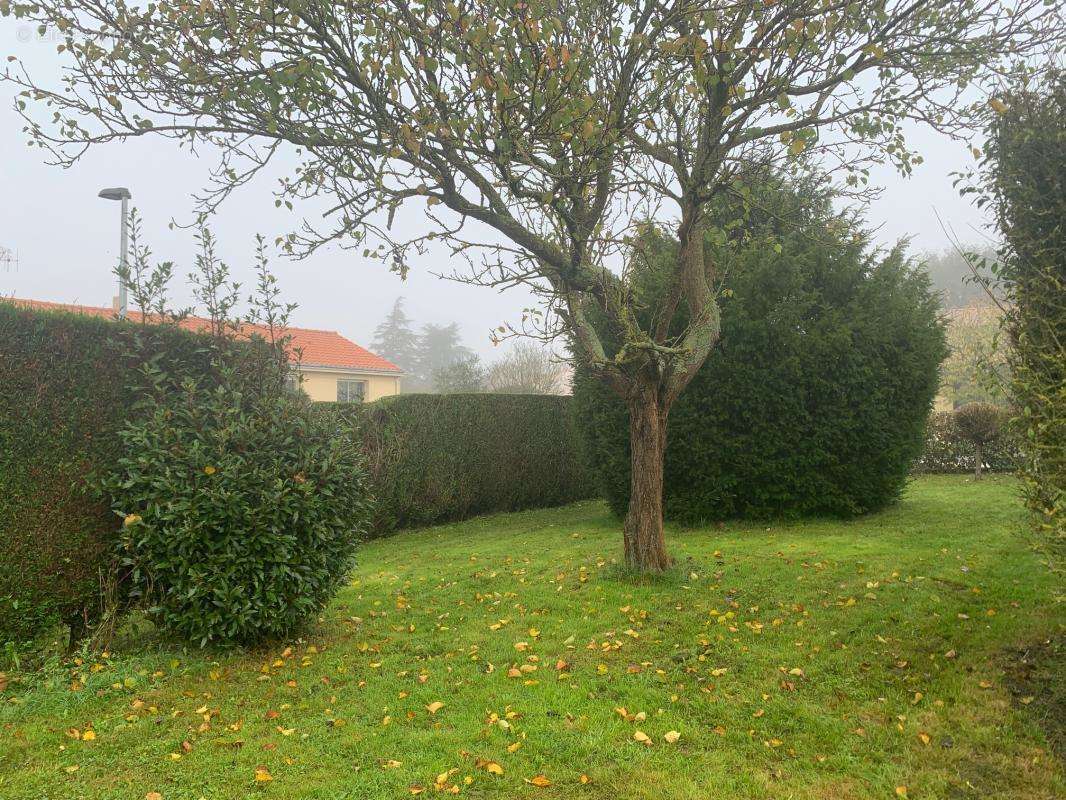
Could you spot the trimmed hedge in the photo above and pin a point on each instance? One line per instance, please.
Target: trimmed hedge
(64, 395)
(946, 451)
(439, 458)
(815, 400)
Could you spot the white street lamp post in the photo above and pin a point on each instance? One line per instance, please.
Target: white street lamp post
(123, 194)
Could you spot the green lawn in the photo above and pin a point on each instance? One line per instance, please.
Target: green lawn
(867, 659)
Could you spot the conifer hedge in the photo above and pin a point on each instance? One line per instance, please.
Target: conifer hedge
(1025, 187)
(439, 458)
(815, 399)
(64, 394)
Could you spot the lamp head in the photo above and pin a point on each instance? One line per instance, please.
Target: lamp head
(116, 193)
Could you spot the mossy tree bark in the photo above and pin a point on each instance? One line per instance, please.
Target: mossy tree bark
(658, 374)
(645, 544)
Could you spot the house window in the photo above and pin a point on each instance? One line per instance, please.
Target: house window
(292, 382)
(351, 391)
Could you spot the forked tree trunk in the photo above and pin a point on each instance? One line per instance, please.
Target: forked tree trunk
(979, 458)
(645, 545)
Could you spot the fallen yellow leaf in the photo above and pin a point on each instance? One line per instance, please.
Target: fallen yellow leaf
(539, 781)
(262, 775)
(672, 736)
(435, 706)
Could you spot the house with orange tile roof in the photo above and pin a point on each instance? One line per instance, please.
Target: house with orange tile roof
(329, 366)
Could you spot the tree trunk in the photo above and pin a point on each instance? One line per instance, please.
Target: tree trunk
(979, 458)
(645, 545)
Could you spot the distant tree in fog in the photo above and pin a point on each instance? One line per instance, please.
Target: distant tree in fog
(462, 375)
(954, 279)
(396, 340)
(527, 369)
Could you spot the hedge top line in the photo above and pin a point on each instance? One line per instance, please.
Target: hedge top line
(309, 347)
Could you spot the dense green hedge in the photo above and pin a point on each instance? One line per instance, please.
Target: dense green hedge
(946, 451)
(816, 398)
(63, 397)
(436, 458)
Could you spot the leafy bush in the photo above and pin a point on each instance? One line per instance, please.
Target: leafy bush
(63, 397)
(945, 450)
(436, 458)
(816, 398)
(242, 510)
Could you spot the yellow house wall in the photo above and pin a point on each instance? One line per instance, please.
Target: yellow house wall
(322, 385)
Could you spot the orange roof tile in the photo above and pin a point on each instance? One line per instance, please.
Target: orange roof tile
(314, 348)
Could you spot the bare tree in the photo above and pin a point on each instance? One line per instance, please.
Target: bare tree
(536, 135)
(527, 369)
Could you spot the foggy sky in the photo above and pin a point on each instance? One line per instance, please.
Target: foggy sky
(66, 238)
